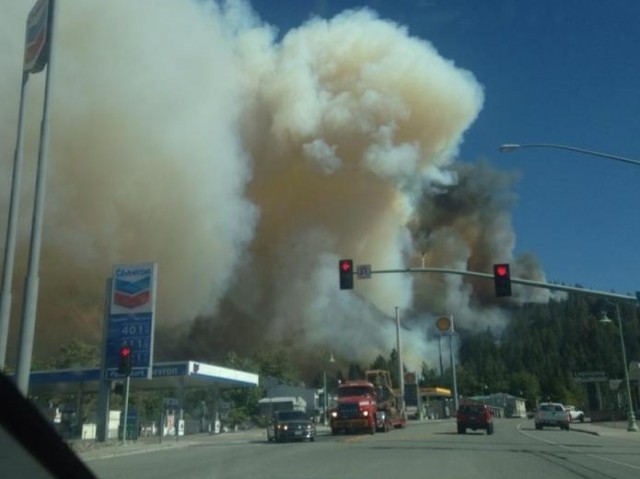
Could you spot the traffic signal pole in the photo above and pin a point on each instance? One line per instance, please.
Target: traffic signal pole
(525, 282)
(126, 409)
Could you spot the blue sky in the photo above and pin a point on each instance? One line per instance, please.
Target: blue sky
(564, 72)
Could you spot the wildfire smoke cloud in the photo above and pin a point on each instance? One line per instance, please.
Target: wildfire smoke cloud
(244, 165)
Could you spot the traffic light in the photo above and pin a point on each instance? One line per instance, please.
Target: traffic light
(502, 279)
(124, 361)
(345, 267)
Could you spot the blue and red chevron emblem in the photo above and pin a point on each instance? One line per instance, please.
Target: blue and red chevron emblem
(132, 294)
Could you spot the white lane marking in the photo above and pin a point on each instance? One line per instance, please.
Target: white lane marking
(569, 448)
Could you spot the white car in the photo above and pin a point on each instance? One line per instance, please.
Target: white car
(575, 413)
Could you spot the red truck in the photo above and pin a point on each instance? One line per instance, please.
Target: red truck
(367, 405)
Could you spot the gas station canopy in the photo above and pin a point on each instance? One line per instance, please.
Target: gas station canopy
(164, 376)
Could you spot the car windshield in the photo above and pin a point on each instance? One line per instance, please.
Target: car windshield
(355, 391)
(551, 407)
(292, 416)
(215, 210)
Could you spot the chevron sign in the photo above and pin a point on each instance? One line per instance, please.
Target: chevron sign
(132, 288)
(132, 316)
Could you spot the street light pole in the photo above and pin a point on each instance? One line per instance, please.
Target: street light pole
(631, 418)
(508, 147)
(400, 369)
(324, 387)
(452, 333)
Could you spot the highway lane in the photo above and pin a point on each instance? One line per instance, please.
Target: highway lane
(606, 457)
(428, 449)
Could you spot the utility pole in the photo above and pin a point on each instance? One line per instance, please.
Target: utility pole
(400, 369)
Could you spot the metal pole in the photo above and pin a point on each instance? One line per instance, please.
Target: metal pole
(453, 367)
(180, 417)
(513, 146)
(525, 282)
(631, 418)
(12, 229)
(104, 387)
(400, 371)
(126, 409)
(325, 402)
(30, 300)
(440, 349)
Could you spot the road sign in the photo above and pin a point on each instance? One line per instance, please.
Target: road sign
(614, 384)
(589, 376)
(363, 271)
(443, 324)
(131, 318)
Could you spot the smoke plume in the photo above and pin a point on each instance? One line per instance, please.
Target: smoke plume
(246, 166)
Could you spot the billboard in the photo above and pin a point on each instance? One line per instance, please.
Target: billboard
(132, 317)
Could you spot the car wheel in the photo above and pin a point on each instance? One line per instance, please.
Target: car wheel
(461, 430)
(334, 431)
(538, 427)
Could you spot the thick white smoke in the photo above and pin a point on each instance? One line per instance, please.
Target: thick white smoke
(146, 157)
(186, 134)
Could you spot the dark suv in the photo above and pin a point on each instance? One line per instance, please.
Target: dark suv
(474, 416)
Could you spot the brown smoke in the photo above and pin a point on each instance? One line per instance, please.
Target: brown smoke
(185, 134)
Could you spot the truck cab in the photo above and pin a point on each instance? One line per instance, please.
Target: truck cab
(552, 414)
(356, 408)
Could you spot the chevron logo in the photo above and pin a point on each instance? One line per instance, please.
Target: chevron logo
(132, 294)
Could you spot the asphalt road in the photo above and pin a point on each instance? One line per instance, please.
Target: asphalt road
(427, 449)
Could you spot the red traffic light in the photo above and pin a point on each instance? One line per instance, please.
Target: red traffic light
(502, 270)
(502, 279)
(345, 269)
(125, 361)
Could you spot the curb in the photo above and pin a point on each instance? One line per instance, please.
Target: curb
(121, 451)
(585, 431)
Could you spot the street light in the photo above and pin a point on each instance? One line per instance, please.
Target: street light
(632, 426)
(324, 386)
(509, 147)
